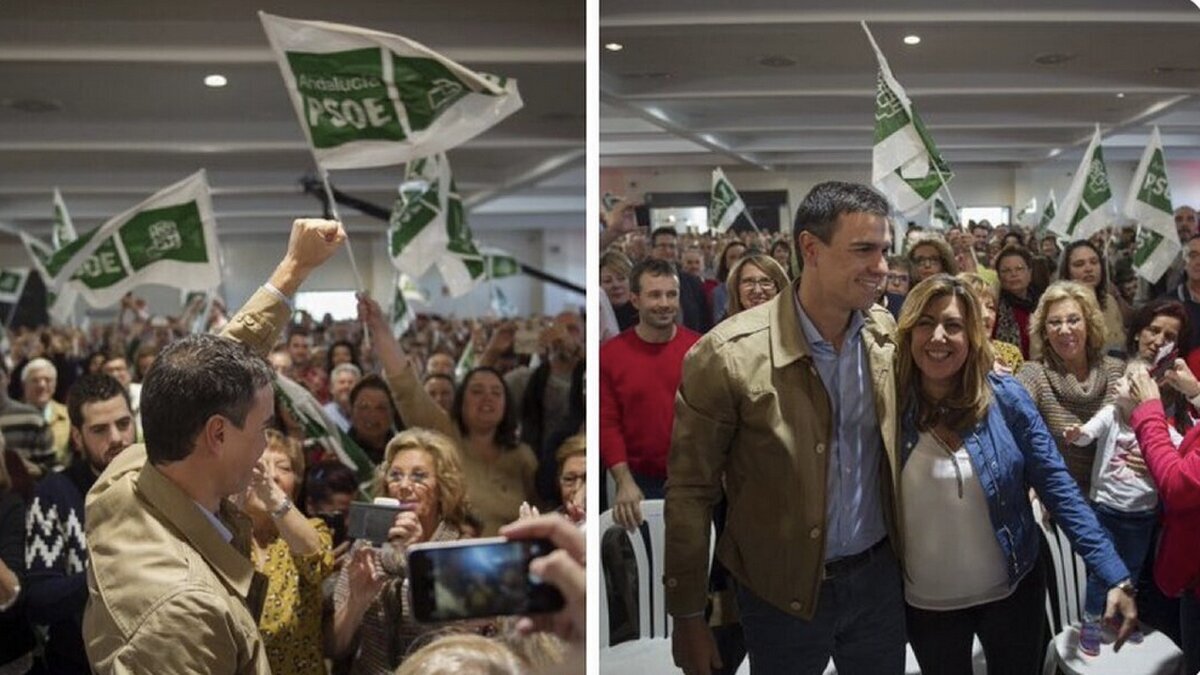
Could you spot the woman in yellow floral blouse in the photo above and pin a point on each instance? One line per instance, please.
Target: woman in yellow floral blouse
(295, 554)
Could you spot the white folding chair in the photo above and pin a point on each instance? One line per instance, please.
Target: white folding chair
(1068, 577)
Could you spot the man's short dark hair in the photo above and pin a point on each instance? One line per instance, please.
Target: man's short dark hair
(823, 204)
(297, 329)
(370, 381)
(92, 389)
(652, 266)
(193, 379)
(664, 231)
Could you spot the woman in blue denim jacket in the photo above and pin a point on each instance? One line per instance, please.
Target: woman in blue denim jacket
(972, 444)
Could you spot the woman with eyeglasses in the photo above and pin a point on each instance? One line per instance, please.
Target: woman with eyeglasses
(1018, 297)
(372, 617)
(1073, 378)
(930, 255)
(499, 470)
(972, 445)
(754, 279)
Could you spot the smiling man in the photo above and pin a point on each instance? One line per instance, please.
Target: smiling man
(171, 586)
(791, 408)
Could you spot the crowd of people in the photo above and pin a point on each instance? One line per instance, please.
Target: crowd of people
(175, 492)
(867, 424)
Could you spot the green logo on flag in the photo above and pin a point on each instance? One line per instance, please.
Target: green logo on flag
(939, 171)
(723, 198)
(1147, 242)
(345, 97)
(427, 88)
(413, 211)
(1154, 190)
(9, 281)
(169, 233)
(103, 268)
(890, 115)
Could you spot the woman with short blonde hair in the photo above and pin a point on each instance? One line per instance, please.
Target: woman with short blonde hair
(744, 298)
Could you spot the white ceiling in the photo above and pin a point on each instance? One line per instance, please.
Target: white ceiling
(780, 84)
(129, 113)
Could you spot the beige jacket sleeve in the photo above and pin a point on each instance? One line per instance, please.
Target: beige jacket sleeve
(416, 408)
(211, 645)
(701, 440)
(259, 323)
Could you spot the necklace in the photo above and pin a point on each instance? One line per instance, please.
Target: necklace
(953, 460)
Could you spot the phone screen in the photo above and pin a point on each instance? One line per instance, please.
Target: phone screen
(478, 578)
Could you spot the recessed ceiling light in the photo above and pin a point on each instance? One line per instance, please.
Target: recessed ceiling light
(215, 80)
(912, 39)
(1120, 94)
(33, 105)
(1052, 59)
(777, 61)
(614, 46)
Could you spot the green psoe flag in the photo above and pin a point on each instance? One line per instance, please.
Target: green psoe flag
(906, 165)
(428, 227)
(404, 294)
(12, 284)
(1049, 212)
(1089, 200)
(304, 408)
(367, 98)
(941, 216)
(1149, 203)
(725, 204)
(168, 239)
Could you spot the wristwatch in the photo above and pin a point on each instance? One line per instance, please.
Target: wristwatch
(284, 507)
(1128, 587)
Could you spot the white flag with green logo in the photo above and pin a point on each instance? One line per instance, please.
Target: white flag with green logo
(725, 205)
(59, 304)
(1029, 214)
(12, 284)
(1049, 212)
(403, 313)
(1149, 203)
(501, 305)
(367, 98)
(64, 230)
(940, 215)
(906, 165)
(1087, 204)
(428, 227)
(169, 239)
(499, 264)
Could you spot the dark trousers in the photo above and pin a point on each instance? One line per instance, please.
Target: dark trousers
(1011, 630)
(859, 622)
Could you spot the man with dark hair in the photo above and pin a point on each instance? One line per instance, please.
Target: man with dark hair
(639, 373)
(790, 409)
(171, 585)
(695, 312)
(55, 551)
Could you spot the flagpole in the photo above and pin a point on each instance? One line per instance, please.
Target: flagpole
(333, 209)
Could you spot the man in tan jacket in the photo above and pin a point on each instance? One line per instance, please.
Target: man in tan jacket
(171, 587)
(789, 408)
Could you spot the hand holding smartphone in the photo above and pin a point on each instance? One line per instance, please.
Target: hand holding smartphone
(1163, 360)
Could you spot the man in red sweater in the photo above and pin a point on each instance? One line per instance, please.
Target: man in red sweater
(639, 373)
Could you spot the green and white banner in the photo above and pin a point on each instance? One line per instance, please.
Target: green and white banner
(466, 362)
(1086, 208)
(940, 215)
(367, 98)
(501, 306)
(1049, 212)
(906, 165)
(499, 264)
(64, 230)
(1149, 203)
(725, 205)
(59, 304)
(169, 239)
(12, 283)
(428, 227)
(403, 294)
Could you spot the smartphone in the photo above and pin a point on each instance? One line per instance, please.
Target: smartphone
(1163, 360)
(336, 522)
(372, 521)
(477, 578)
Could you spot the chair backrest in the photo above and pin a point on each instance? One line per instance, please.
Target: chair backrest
(1067, 576)
(653, 619)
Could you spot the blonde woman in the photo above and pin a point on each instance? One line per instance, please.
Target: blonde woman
(294, 553)
(1073, 378)
(372, 615)
(972, 444)
(930, 255)
(754, 279)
